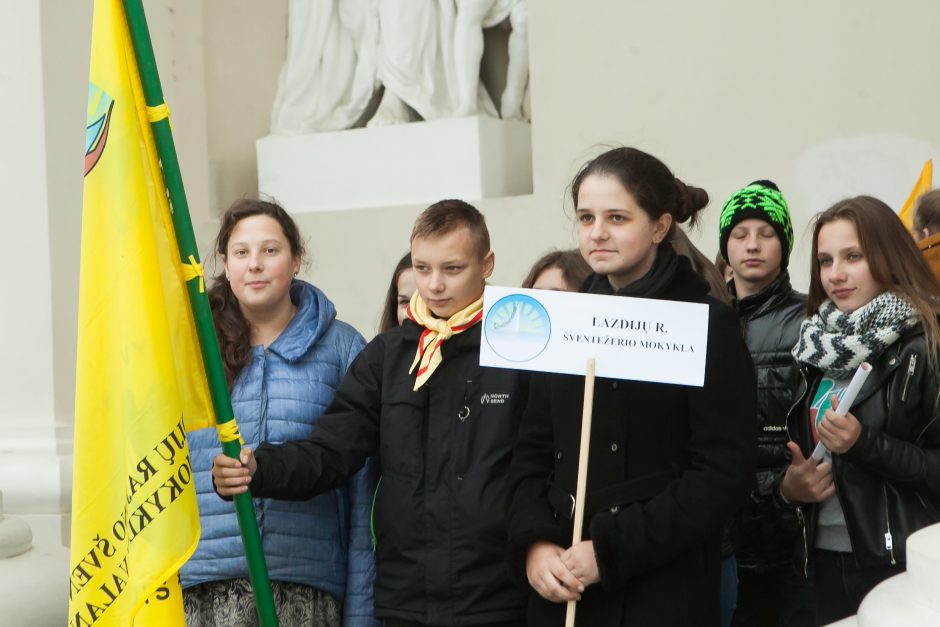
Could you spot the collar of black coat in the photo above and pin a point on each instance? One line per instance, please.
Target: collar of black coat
(670, 278)
(765, 300)
(467, 340)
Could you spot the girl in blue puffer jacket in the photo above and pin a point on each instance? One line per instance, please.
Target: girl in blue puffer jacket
(284, 353)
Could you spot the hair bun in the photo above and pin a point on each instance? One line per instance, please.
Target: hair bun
(691, 200)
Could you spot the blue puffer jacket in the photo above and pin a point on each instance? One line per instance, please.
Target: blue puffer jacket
(324, 542)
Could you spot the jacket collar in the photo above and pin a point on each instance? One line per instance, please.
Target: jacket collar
(314, 315)
(929, 242)
(670, 278)
(882, 368)
(468, 340)
(765, 300)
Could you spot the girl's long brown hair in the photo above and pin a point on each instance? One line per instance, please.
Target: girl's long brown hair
(893, 260)
(231, 326)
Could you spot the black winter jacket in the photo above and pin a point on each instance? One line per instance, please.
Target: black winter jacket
(444, 453)
(764, 532)
(889, 481)
(668, 465)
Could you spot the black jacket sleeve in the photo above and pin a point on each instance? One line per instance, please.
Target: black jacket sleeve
(916, 462)
(531, 518)
(344, 436)
(721, 448)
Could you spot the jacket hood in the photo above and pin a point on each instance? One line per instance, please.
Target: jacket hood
(315, 314)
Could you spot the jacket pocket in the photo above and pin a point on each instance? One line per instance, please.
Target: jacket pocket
(484, 423)
(402, 433)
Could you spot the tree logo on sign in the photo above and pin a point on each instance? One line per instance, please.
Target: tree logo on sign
(517, 327)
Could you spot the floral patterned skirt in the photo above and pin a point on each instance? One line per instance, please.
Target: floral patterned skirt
(231, 603)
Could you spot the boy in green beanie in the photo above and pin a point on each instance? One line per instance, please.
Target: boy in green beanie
(756, 238)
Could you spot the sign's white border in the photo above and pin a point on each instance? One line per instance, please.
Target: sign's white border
(630, 338)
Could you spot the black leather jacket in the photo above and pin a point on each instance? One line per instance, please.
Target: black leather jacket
(763, 532)
(889, 481)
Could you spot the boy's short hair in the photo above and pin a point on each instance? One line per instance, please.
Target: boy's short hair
(927, 215)
(446, 216)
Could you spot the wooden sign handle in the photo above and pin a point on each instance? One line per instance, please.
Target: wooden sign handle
(586, 413)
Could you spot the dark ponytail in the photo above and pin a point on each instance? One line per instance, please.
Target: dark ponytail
(231, 327)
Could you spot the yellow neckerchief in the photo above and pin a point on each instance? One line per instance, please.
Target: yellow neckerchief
(436, 332)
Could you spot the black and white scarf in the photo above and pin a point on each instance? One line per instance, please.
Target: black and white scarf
(837, 343)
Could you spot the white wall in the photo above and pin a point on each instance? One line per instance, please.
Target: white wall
(724, 92)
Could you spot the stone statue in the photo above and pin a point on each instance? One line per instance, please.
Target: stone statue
(415, 60)
(424, 54)
(472, 17)
(329, 74)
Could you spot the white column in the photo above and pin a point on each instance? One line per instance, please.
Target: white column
(29, 466)
(34, 478)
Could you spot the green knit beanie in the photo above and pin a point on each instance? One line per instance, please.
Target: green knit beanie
(761, 200)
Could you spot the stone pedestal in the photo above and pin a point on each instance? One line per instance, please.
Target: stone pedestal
(418, 163)
(15, 535)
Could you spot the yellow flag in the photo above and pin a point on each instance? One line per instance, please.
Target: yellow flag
(921, 187)
(140, 382)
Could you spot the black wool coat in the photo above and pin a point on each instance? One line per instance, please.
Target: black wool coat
(668, 465)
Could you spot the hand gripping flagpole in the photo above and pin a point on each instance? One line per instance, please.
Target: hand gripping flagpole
(189, 254)
(586, 413)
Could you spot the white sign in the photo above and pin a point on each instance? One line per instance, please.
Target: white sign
(642, 339)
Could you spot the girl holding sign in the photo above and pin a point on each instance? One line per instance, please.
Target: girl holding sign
(872, 298)
(668, 463)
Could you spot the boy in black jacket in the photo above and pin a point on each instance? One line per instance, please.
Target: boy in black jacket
(756, 238)
(442, 427)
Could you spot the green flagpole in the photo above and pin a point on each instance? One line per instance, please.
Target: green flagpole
(186, 240)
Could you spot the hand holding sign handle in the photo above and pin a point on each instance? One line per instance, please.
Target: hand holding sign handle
(586, 413)
(846, 403)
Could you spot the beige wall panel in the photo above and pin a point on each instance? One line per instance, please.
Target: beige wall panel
(724, 92)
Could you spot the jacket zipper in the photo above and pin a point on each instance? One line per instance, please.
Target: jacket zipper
(802, 520)
(912, 366)
(375, 496)
(889, 539)
(799, 399)
(464, 411)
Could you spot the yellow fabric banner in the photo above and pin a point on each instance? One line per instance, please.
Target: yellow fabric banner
(921, 187)
(140, 381)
